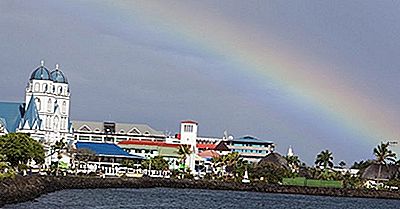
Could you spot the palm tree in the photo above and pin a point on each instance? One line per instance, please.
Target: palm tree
(324, 159)
(184, 151)
(342, 164)
(383, 155)
(294, 162)
(81, 154)
(58, 147)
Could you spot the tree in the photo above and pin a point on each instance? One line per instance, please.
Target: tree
(342, 164)
(157, 163)
(324, 159)
(58, 147)
(361, 165)
(383, 155)
(293, 162)
(271, 173)
(184, 151)
(19, 148)
(82, 154)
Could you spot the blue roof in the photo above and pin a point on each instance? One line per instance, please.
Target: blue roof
(31, 115)
(58, 77)
(11, 114)
(251, 139)
(41, 73)
(105, 149)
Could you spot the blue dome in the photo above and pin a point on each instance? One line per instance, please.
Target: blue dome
(58, 77)
(41, 73)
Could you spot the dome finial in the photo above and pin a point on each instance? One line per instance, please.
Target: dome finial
(57, 65)
(42, 63)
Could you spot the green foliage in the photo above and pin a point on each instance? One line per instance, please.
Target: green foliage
(293, 162)
(19, 148)
(352, 182)
(184, 151)
(230, 165)
(324, 159)
(83, 154)
(271, 173)
(383, 154)
(156, 163)
(362, 164)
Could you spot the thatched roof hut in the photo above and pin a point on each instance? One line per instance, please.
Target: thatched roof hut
(386, 172)
(275, 159)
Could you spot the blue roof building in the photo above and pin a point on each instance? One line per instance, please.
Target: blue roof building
(249, 148)
(11, 114)
(45, 113)
(106, 150)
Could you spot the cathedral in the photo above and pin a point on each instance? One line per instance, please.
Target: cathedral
(45, 113)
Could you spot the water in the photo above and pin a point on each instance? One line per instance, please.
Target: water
(191, 198)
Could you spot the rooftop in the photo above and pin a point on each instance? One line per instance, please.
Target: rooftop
(251, 139)
(105, 149)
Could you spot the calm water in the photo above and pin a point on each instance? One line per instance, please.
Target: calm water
(190, 198)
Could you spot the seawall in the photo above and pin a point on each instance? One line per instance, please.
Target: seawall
(28, 188)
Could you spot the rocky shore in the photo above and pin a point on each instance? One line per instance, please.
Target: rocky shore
(28, 188)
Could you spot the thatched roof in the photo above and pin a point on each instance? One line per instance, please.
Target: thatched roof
(275, 159)
(209, 154)
(387, 172)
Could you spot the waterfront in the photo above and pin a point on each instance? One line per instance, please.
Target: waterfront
(193, 198)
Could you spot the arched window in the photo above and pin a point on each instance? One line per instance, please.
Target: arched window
(48, 122)
(37, 87)
(64, 107)
(49, 105)
(56, 121)
(44, 87)
(38, 104)
(59, 90)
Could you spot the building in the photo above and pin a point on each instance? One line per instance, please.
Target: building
(149, 149)
(248, 147)
(112, 132)
(106, 158)
(45, 113)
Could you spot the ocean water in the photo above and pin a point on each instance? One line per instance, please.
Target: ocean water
(192, 198)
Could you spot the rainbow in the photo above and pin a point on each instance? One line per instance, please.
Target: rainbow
(303, 81)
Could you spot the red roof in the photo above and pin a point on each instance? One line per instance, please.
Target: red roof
(189, 121)
(209, 154)
(150, 143)
(206, 146)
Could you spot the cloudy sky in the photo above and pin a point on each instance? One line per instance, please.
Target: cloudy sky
(311, 74)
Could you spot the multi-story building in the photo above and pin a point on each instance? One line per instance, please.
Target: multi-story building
(112, 132)
(45, 113)
(249, 147)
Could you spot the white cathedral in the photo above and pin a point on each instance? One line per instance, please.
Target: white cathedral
(45, 113)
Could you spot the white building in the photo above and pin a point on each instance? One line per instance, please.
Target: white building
(45, 113)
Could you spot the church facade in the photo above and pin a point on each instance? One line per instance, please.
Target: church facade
(45, 113)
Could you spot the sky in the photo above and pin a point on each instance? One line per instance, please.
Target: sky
(313, 75)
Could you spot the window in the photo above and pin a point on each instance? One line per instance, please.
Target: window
(188, 128)
(49, 105)
(37, 87)
(38, 104)
(56, 122)
(59, 90)
(44, 86)
(64, 107)
(84, 138)
(97, 138)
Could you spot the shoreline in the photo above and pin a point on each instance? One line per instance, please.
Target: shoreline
(28, 188)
